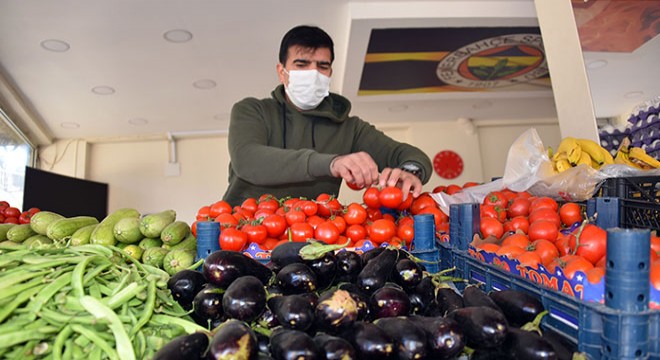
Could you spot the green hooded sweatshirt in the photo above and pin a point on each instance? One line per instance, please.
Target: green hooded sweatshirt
(279, 150)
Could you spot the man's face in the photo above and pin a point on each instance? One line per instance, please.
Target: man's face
(301, 58)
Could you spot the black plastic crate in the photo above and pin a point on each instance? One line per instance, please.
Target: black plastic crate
(625, 213)
(646, 188)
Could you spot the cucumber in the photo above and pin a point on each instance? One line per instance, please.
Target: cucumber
(189, 243)
(153, 224)
(104, 233)
(40, 221)
(154, 256)
(82, 235)
(127, 230)
(133, 251)
(19, 233)
(3, 230)
(36, 241)
(149, 243)
(177, 260)
(62, 229)
(175, 232)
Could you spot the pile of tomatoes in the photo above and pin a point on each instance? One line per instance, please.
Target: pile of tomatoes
(383, 217)
(13, 215)
(540, 231)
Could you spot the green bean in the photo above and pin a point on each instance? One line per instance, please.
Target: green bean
(124, 295)
(76, 352)
(60, 340)
(56, 318)
(92, 249)
(19, 337)
(7, 282)
(141, 344)
(11, 257)
(96, 308)
(95, 290)
(189, 326)
(77, 276)
(91, 275)
(17, 289)
(97, 340)
(148, 308)
(35, 305)
(96, 354)
(105, 290)
(18, 300)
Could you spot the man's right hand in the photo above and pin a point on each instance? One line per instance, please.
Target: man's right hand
(358, 168)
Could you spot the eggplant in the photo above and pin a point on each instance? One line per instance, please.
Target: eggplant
(407, 273)
(334, 347)
(360, 297)
(411, 340)
(349, 265)
(244, 299)
(563, 347)
(325, 269)
(286, 344)
(370, 341)
(207, 305)
(422, 296)
(389, 301)
(484, 327)
(222, 267)
(473, 295)
(184, 285)
(491, 354)
(297, 278)
(518, 306)
(287, 253)
(448, 300)
(376, 272)
(267, 319)
(263, 342)
(444, 335)
(370, 254)
(191, 346)
(232, 339)
(335, 310)
(292, 311)
(528, 345)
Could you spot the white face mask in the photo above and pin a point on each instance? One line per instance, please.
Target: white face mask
(307, 88)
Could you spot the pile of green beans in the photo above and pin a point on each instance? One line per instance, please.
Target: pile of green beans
(85, 302)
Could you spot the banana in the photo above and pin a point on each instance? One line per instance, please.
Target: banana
(622, 157)
(645, 161)
(562, 165)
(585, 158)
(559, 156)
(595, 165)
(593, 149)
(607, 156)
(572, 149)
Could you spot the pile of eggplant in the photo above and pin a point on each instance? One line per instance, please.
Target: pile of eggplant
(312, 302)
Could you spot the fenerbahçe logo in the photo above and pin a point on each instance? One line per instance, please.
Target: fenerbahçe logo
(495, 62)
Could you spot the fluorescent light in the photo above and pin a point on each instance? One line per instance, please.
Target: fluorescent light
(55, 45)
(178, 36)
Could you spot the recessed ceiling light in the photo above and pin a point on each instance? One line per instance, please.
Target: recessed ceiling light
(55, 45)
(103, 90)
(633, 94)
(178, 36)
(70, 125)
(205, 84)
(398, 108)
(596, 64)
(138, 121)
(482, 104)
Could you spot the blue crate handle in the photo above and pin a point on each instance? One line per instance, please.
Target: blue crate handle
(208, 233)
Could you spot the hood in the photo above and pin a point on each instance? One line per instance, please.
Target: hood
(334, 107)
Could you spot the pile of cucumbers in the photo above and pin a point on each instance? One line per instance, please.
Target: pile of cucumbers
(157, 239)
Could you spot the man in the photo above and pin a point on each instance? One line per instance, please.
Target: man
(302, 142)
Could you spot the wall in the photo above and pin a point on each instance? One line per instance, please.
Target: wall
(135, 170)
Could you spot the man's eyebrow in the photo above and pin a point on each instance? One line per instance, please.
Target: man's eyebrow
(304, 61)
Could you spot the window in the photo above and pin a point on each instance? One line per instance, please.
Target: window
(16, 152)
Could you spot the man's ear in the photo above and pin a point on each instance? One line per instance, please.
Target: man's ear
(281, 75)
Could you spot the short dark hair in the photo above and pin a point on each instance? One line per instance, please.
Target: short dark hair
(310, 37)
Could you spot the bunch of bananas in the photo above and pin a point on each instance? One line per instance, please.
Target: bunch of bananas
(573, 152)
(635, 157)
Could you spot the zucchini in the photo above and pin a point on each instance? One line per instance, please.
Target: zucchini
(62, 229)
(154, 256)
(104, 232)
(175, 232)
(189, 243)
(82, 235)
(127, 230)
(177, 260)
(19, 233)
(3, 230)
(40, 221)
(149, 243)
(153, 224)
(36, 241)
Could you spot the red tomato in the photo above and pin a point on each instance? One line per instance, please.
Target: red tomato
(517, 239)
(563, 244)
(655, 274)
(509, 194)
(438, 189)
(546, 249)
(371, 197)
(193, 228)
(327, 205)
(250, 205)
(268, 203)
(232, 239)
(655, 243)
(374, 214)
(307, 206)
(356, 232)
(543, 202)
(256, 233)
(543, 229)
(12, 212)
(219, 207)
(25, 217)
(570, 213)
(491, 227)
(470, 184)
(290, 202)
(595, 274)
(355, 214)
(591, 243)
(576, 264)
(315, 220)
(493, 211)
(452, 189)
(269, 244)
(406, 233)
(405, 220)
(275, 225)
(11, 220)
(339, 222)
(300, 232)
(510, 251)
(326, 232)
(529, 259)
(438, 216)
(382, 231)
(226, 220)
(495, 198)
(545, 214)
(517, 223)
(518, 207)
(390, 197)
(422, 201)
(203, 213)
(354, 186)
(33, 210)
(4, 204)
(262, 213)
(405, 204)
(294, 216)
(489, 247)
(2, 218)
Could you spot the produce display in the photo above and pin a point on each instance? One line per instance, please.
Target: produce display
(13, 215)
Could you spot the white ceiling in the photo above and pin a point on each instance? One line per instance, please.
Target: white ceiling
(120, 44)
